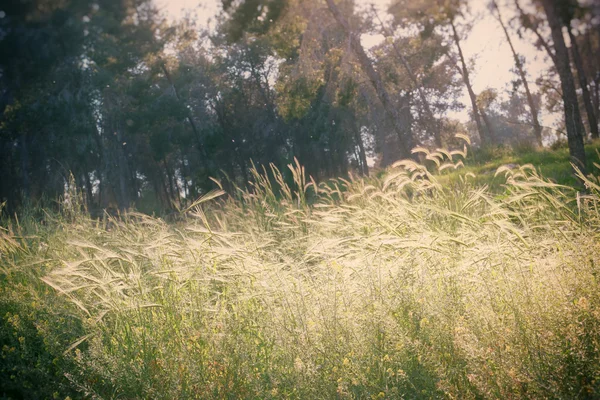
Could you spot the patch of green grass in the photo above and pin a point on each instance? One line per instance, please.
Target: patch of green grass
(552, 164)
(405, 286)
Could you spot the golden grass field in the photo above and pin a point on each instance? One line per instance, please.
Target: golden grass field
(410, 286)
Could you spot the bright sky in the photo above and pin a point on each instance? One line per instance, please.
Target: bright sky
(486, 43)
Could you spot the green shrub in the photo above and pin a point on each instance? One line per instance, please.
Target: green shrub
(496, 152)
(33, 338)
(559, 144)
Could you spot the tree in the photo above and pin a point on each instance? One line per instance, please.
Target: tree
(568, 11)
(487, 138)
(42, 88)
(432, 16)
(89, 89)
(404, 137)
(519, 65)
(432, 122)
(574, 125)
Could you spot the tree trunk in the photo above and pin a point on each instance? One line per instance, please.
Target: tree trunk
(24, 165)
(184, 177)
(97, 137)
(573, 122)
(124, 198)
(485, 140)
(537, 128)
(135, 187)
(587, 101)
(88, 190)
(596, 97)
(405, 139)
(7, 183)
(160, 188)
(241, 162)
(491, 133)
(406, 117)
(361, 151)
(173, 185)
(595, 79)
(201, 149)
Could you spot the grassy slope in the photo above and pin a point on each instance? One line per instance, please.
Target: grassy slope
(396, 287)
(553, 164)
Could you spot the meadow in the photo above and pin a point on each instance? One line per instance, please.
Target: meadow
(424, 283)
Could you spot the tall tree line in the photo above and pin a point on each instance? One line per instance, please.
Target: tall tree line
(144, 112)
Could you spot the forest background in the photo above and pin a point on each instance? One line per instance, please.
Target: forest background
(144, 104)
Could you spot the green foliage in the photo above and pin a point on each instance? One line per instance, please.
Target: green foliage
(296, 96)
(33, 365)
(559, 144)
(253, 16)
(555, 164)
(400, 286)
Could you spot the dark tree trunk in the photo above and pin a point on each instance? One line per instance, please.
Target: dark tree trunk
(8, 182)
(124, 198)
(573, 122)
(201, 149)
(491, 132)
(108, 189)
(361, 151)
(23, 146)
(406, 141)
(537, 128)
(135, 187)
(184, 177)
(168, 200)
(169, 180)
(242, 164)
(406, 117)
(596, 97)
(88, 190)
(100, 167)
(160, 189)
(587, 101)
(176, 184)
(595, 79)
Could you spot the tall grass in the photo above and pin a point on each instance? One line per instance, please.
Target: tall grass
(401, 287)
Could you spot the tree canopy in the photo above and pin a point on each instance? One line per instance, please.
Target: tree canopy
(147, 112)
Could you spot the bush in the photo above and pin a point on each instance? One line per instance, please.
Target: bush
(524, 147)
(488, 153)
(560, 143)
(33, 338)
